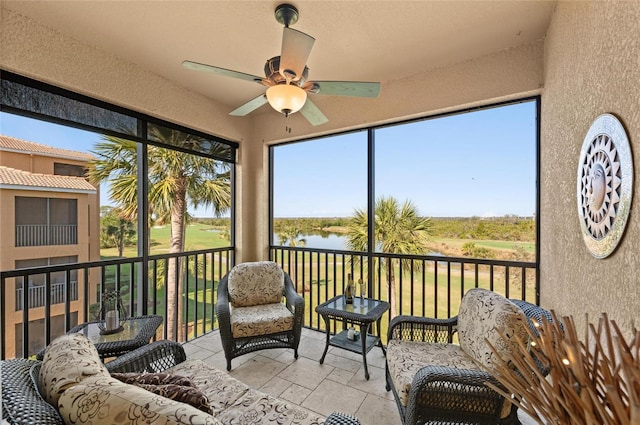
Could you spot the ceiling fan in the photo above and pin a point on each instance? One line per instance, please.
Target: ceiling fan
(286, 76)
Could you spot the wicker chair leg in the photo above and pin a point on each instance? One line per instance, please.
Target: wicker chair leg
(228, 365)
(295, 353)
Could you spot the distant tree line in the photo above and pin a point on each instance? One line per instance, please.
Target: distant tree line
(506, 228)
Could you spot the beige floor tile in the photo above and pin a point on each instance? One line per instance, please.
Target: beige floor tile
(331, 396)
(342, 362)
(377, 411)
(257, 371)
(376, 384)
(275, 386)
(341, 376)
(295, 394)
(311, 348)
(306, 372)
(337, 385)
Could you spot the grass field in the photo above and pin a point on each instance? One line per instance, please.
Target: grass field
(428, 294)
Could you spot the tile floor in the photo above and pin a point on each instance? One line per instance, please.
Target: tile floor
(336, 385)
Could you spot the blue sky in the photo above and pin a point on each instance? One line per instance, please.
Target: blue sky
(472, 164)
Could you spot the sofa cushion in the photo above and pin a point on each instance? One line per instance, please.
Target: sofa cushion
(255, 407)
(255, 283)
(261, 320)
(100, 399)
(482, 313)
(406, 358)
(220, 388)
(68, 360)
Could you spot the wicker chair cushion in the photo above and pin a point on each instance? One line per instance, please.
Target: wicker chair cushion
(256, 283)
(68, 360)
(255, 407)
(406, 358)
(260, 320)
(221, 389)
(482, 313)
(106, 400)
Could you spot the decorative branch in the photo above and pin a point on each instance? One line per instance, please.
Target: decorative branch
(590, 382)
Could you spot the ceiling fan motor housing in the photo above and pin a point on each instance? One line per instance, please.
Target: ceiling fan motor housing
(271, 72)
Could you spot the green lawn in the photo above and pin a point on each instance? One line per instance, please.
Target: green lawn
(319, 272)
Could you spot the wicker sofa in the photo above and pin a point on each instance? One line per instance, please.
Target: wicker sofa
(83, 390)
(437, 381)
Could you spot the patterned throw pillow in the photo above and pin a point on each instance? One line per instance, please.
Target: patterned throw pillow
(181, 393)
(175, 387)
(152, 378)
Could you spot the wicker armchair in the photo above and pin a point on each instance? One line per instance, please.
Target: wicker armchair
(447, 387)
(250, 311)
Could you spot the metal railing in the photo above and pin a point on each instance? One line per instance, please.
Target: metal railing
(421, 285)
(37, 296)
(46, 234)
(197, 272)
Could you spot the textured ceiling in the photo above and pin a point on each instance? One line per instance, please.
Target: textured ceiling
(355, 40)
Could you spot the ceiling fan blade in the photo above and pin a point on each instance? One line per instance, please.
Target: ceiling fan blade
(346, 88)
(296, 47)
(250, 106)
(220, 71)
(311, 112)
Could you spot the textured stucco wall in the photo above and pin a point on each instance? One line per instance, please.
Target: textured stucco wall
(592, 66)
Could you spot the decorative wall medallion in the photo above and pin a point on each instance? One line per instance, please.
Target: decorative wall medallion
(605, 183)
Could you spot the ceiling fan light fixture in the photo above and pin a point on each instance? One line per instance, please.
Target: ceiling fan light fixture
(286, 98)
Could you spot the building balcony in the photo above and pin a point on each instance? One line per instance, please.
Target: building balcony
(46, 234)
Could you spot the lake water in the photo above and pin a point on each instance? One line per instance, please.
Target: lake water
(335, 242)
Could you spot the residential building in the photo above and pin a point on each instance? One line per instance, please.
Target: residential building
(49, 214)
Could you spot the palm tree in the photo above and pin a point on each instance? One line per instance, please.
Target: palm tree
(398, 229)
(176, 179)
(291, 234)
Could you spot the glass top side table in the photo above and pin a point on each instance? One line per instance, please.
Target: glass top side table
(137, 332)
(362, 312)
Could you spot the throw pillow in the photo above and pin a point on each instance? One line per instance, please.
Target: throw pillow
(181, 393)
(175, 387)
(159, 378)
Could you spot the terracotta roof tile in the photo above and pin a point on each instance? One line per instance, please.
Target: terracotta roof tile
(12, 144)
(13, 177)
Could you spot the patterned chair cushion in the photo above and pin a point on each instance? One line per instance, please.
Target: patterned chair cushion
(481, 314)
(68, 360)
(107, 400)
(255, 283)
(255, 407)
(220, 389)
(406, 358)
(260, 320)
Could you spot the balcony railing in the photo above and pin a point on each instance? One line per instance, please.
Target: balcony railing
(37, 295)
(46, 234)
(426, 285)
(142, 282)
